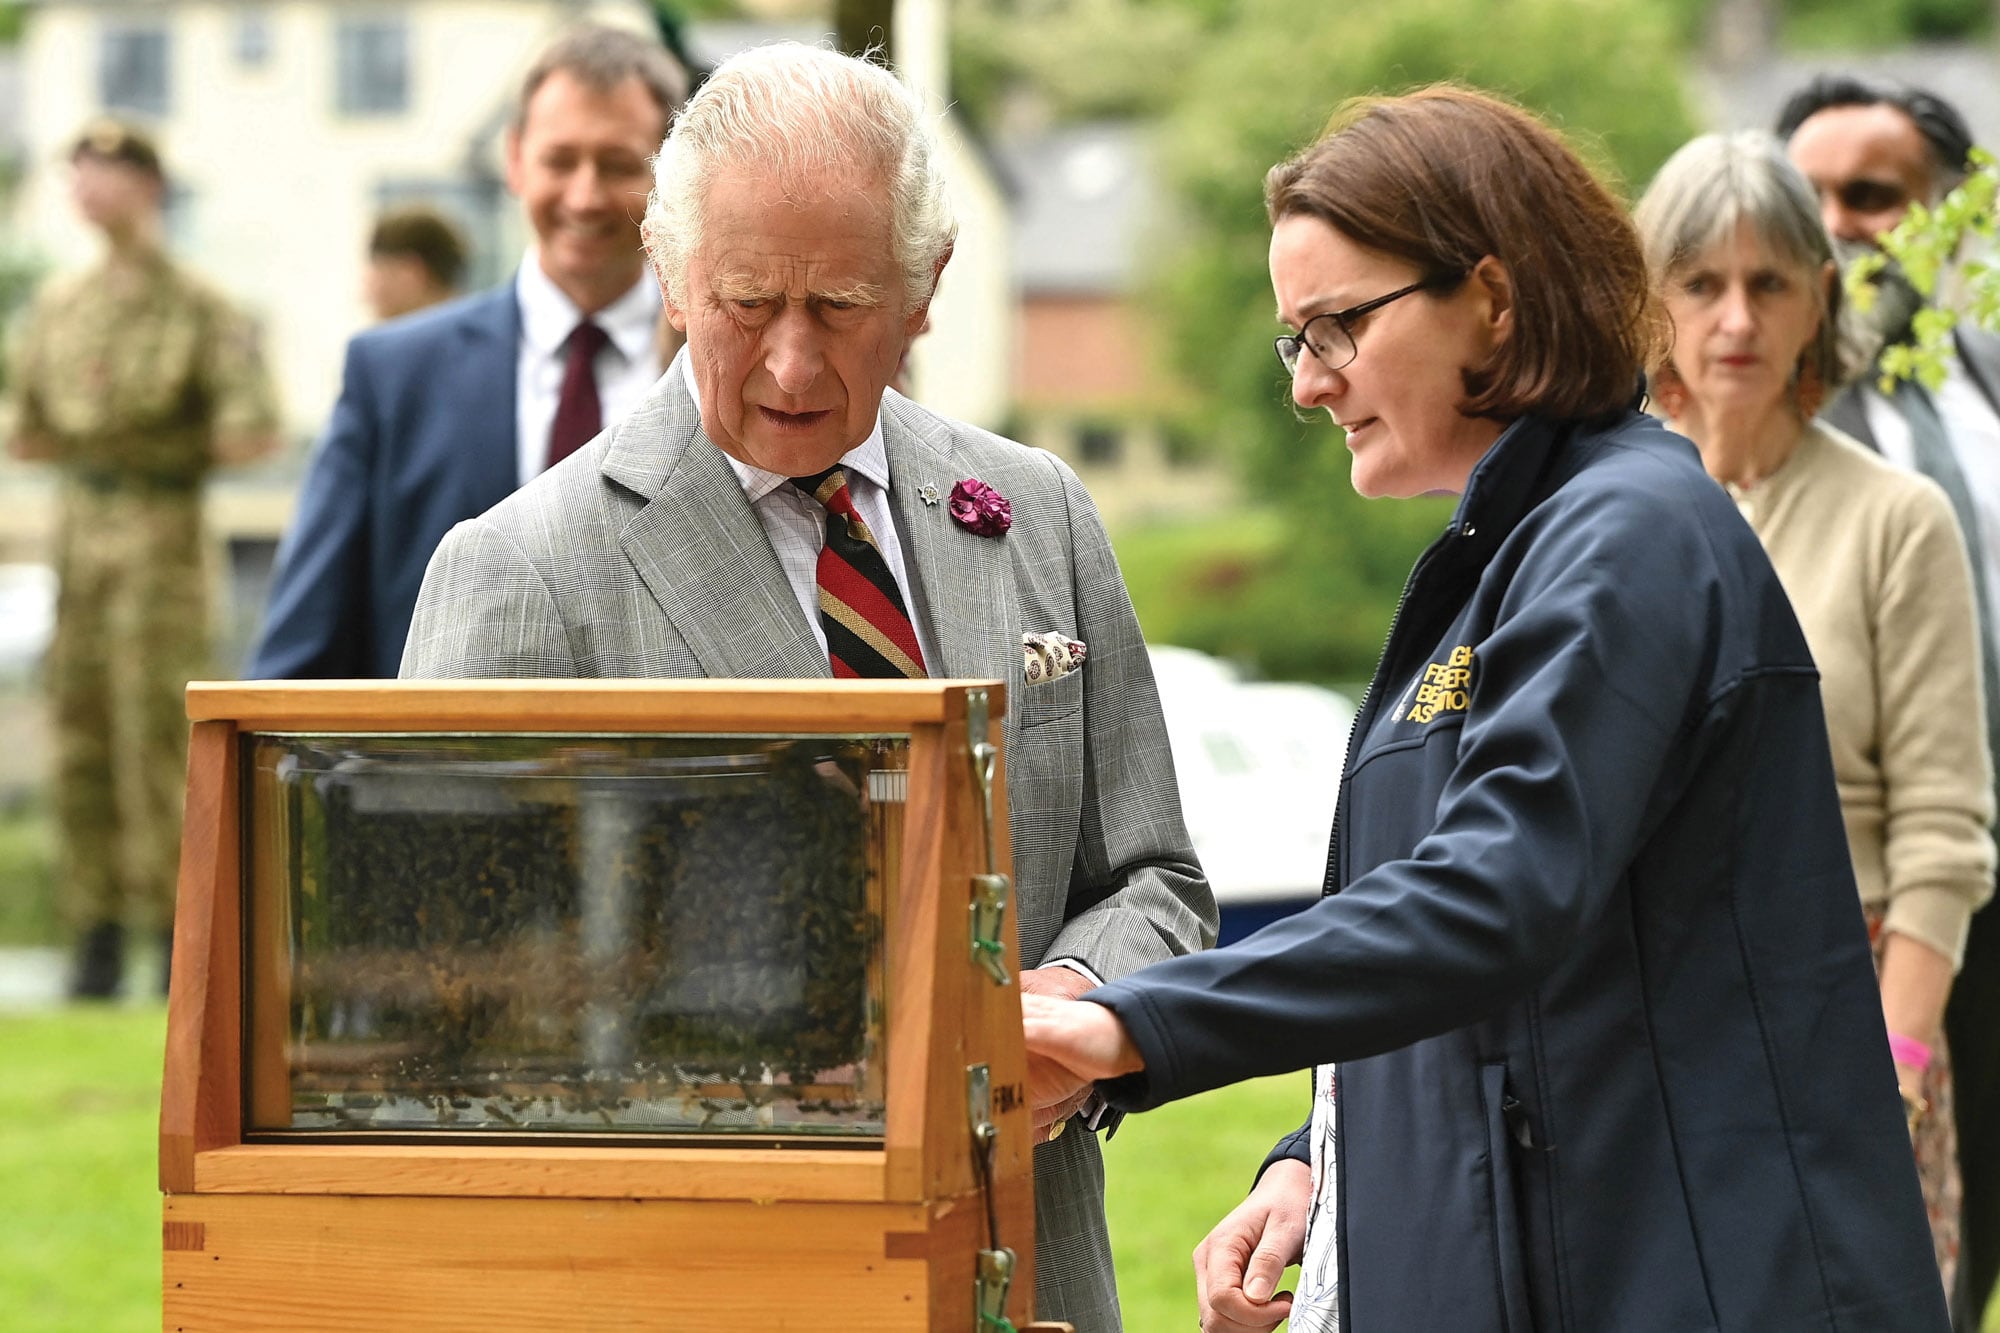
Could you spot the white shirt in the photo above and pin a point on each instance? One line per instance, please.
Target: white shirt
(796, 524)
(1974, 434)
(626, 368)
(1316, 1300)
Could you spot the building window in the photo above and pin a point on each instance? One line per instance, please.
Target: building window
(253, 38)
(373, 73)
(132, 68)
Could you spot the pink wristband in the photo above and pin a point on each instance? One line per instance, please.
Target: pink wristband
(1909, 1051)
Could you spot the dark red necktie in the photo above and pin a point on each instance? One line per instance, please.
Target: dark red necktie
(578, 416)
(868, 633)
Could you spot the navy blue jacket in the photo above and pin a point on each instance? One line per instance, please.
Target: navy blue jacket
(422, 437)
(1611, 1051)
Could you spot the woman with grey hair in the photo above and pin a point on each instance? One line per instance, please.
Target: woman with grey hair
(1872, 560)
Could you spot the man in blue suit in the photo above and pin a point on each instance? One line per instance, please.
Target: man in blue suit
(441, 415)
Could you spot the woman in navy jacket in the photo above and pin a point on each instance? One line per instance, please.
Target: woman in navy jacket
(1609, 1054)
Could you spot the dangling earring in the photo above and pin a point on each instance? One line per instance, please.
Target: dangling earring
(1808, 386)
(1668, 391)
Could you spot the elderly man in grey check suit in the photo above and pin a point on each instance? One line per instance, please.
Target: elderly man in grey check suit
(798, 226)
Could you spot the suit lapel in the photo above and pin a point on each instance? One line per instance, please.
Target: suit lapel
(1979, 352)
(964, 578)
(699, 548)
(1847, 412)
(488, 428)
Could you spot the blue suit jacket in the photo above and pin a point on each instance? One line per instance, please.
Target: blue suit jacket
(423, 436)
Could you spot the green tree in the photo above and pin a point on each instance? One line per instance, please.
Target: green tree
(863, 25)
(1604, 73)
(1860, 25)
(677, 13)
(1078, 59)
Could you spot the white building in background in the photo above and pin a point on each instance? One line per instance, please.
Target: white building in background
(1090, 215)
(286, 125)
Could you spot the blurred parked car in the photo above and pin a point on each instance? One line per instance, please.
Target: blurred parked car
(1259, 768)
(27, 618)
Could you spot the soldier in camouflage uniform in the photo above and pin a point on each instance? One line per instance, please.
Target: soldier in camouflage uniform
(133, 378)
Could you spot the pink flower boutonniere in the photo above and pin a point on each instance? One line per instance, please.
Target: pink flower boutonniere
(979, 509)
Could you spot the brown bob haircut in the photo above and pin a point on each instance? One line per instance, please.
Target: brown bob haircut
(1443, 177)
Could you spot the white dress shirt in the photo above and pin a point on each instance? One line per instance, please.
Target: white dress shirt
(796, 525)
(626, 368)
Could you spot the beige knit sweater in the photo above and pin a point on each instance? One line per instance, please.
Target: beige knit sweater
(1872, 560)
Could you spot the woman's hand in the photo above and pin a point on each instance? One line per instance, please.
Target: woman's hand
(1083, 1038)
(1238, 1265)
(1915, 982)
(1054, 1093)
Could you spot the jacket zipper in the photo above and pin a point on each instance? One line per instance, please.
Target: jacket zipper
(1331, 882)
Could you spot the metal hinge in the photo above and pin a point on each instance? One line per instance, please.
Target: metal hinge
(994, 1275)
(991, 889)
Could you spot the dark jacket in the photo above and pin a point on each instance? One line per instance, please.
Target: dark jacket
(422, 437)
(1611, 1053)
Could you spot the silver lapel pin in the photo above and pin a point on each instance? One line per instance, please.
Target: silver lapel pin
(929, 493)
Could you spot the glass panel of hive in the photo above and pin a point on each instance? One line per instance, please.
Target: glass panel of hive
(572, 935)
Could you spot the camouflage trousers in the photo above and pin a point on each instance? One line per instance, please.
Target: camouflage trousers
(132, 628)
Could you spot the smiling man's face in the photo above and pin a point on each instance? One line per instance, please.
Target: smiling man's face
(578, 163)
(795, 317)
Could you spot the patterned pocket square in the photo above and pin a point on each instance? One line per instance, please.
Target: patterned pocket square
(1050, 657)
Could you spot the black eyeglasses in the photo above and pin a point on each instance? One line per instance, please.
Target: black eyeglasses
(1330, 334)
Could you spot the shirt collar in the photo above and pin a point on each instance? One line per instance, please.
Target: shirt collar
(870, 458)
(548, 316)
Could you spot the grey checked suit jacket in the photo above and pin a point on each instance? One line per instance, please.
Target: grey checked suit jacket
(640, 556)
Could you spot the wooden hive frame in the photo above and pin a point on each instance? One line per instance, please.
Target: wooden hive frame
(501, 1235)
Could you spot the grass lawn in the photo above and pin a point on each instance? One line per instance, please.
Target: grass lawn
(1171, 1174)
(80, 1250)
(80, 1246)
(79, 1129)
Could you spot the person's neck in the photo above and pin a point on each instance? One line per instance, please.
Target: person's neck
(590, 298)
(133, 244)
(1741, 448)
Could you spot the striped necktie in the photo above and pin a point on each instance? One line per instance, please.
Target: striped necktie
(868, 631)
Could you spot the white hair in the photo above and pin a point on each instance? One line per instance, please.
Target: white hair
(815, 120)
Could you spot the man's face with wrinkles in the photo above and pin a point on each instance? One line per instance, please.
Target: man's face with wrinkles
(796, 318)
